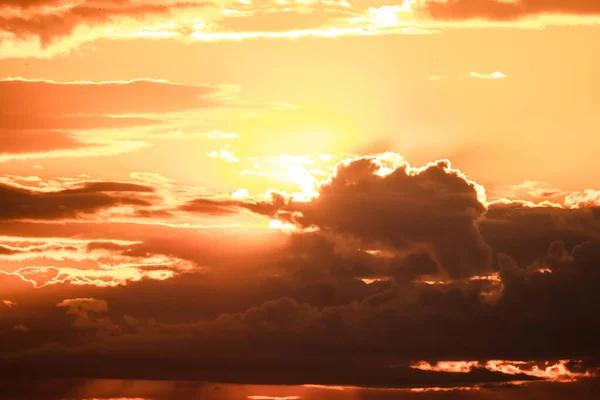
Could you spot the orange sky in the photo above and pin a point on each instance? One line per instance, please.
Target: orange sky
(287, 157)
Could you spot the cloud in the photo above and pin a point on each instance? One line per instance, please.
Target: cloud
(433, 205)
(20, 328)
(100, 263)
(534, 191)
(558, 371)
(269, 16)
(49, 20)
(22, 141)
(138, 96)
(82, 307)
(216, 206)
(34, 125)
(50, 28)
(86, 198)
(226, 154)
(47, 29)
(447, 366)
(87, 313)
(502, 10)
(172, 390)
(471, 292)
(494, 75)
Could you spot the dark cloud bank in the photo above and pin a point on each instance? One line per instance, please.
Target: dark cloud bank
(450, 279)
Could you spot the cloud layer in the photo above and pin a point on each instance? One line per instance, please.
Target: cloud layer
(506, 10)
(394, 276)
(50, 27)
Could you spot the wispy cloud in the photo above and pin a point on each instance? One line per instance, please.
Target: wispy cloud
(226, 153)
(493, 75)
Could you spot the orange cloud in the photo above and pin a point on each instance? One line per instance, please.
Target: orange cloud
(552, 372)
(462, 367)
(503, 10)
(8, 303)
(48, 28)
(82, 307)
(49, 20)
(106, 263)
(555, 372)
(33, 124)
(137, 96)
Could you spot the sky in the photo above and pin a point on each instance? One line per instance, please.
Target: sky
(299, 199)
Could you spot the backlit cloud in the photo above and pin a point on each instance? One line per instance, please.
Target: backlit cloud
(429, 269)
(226, 153)
(51, 28)
(86, 198)
(493, 75)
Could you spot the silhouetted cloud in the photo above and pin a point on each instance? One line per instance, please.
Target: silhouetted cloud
(89, 197)
(407, 278)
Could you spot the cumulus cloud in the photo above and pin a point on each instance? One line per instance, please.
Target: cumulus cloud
(82, 307)
(501, 285)
(403, 207)
(226, 153)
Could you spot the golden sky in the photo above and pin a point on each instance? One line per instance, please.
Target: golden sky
(343, 194)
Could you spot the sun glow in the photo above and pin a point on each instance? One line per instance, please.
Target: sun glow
(307, 182)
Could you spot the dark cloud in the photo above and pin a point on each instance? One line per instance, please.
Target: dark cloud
(216, 207)
(525, 231)
(78, 389)
(99, 187)
(21, 203)
(106, 245)
(505, 10)
(407, 208)
(403, 266)
(295, 342)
